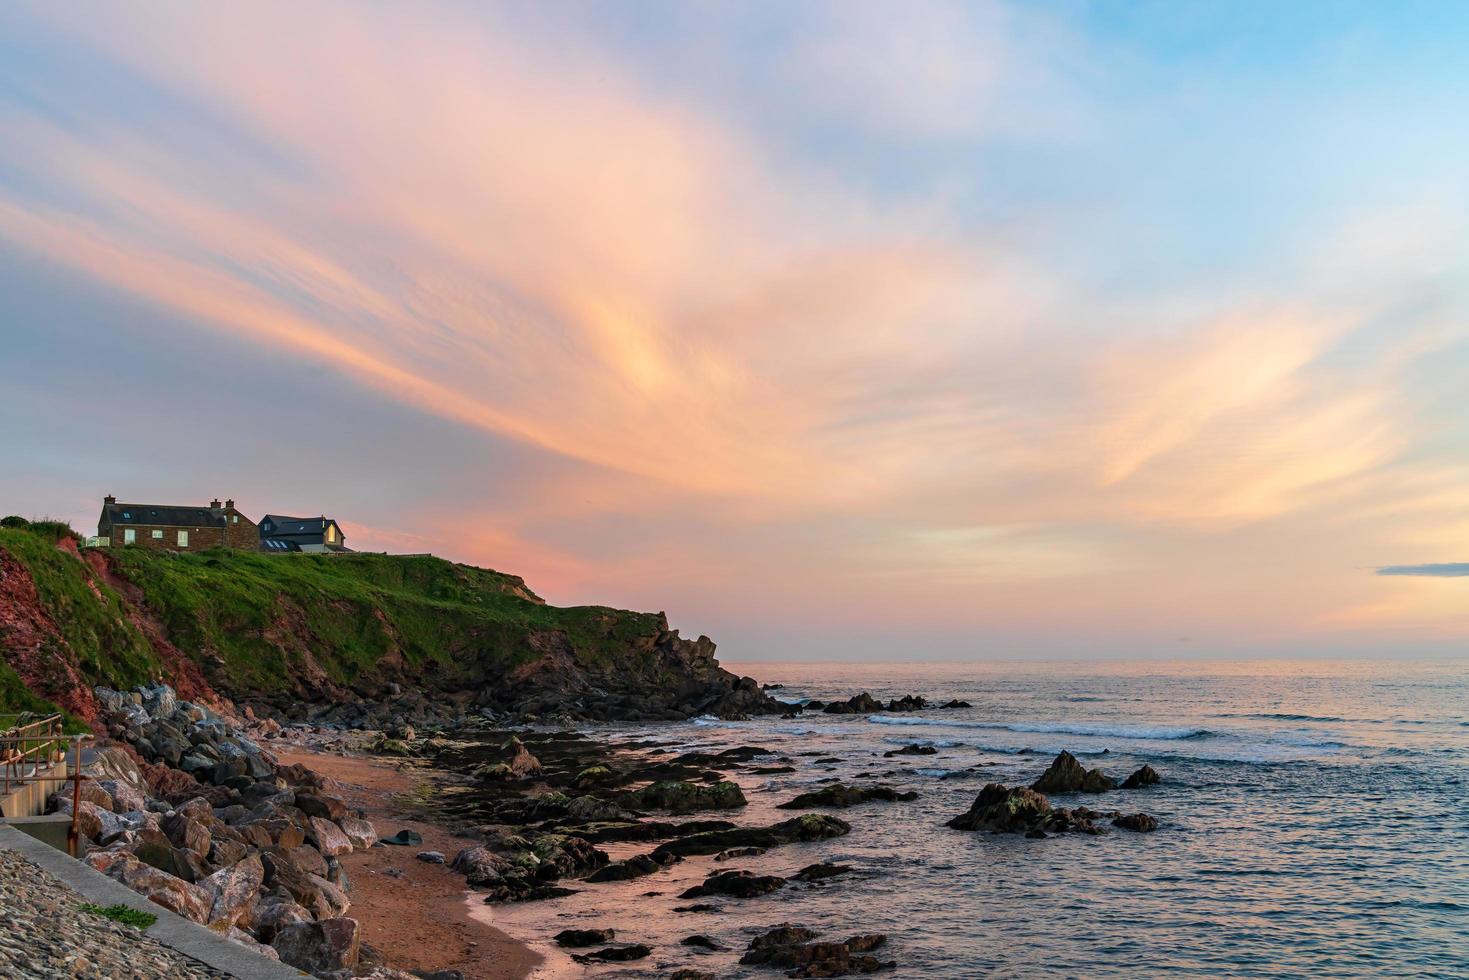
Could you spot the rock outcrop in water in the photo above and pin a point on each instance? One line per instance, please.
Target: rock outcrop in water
(1067, 775)
(1003, 809)
(838, 795)
(1146, 776)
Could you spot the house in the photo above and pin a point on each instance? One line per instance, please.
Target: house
(174, 526)
(311, 534)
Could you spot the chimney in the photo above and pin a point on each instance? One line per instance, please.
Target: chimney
(214, 504)
(229, 505)
(109, 499)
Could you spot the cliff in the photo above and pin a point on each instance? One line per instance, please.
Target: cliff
(353, 638)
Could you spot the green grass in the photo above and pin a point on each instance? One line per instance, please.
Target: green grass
(89, 617)
(255, 620)
(122, 913)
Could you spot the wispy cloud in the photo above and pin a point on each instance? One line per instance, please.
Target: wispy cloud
(1438, 570)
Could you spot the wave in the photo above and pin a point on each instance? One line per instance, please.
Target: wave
(1140, 732)
(938, 743)
(1272, 716)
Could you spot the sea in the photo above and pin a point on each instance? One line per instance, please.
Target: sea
(1314, 822)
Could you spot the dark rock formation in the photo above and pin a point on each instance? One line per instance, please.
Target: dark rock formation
(736, 884)
(823, 871)
(857, 704)
(1067, 775)
(808, 827)
(680, 797)
(1146, 776)
(584, 937)
(911, 750)
(791, 948)
(1139, 822)
(838, 795)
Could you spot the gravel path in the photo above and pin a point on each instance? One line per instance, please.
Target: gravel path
(45, 933)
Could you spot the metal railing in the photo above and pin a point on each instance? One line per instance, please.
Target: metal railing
(30, 748)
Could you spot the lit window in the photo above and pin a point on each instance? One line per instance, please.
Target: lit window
(129, 535)
(236, 518)
(331, 534)
(183, 539)
(157, 535)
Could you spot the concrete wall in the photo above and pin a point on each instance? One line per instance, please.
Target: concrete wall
(30, 799)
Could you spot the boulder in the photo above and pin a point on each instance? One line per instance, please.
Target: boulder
(911, 750)
(615, 954)
(174, 894)
(1018, 810)
(808, 827)
(237, 935)
(823, 871)
(1146, 776)
(319, 947)
(359, 832)
(324, 805)
(430, 857)
(329, 838)
(273, 912)
(522, 763)
(232, 891)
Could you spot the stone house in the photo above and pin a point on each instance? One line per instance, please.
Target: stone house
(309, 534)
(173, 527)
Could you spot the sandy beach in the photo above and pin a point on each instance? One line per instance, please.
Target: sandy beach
(419, 916)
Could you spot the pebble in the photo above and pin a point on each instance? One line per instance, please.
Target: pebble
(46, 934)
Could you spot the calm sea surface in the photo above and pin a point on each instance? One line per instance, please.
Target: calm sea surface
(1315, 822)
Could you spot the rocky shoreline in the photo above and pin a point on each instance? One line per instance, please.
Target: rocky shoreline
(201, 814)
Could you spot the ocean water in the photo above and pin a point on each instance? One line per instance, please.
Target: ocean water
(1314, 823)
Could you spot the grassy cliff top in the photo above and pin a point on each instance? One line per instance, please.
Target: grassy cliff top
(259, 623)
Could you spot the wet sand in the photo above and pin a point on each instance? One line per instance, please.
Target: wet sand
(423, 919)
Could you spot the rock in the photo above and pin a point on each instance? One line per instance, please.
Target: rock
(858, 704)
(912, 750)
(739, 852)
(790, 946)
(956, 703)
(687, 974)
(584, 937)
(319, 947)
(589, 809)
(566, 856)
(700, 941)
(634, 867)
(359, 832)
(1019, 810)
(430, 857)
(272, 913)
(237, 935)
(403, 838)
(322, 805)
(1067, 775)
(737, 884)
(162, 855)
(595, 776)
(615, 954)
(1146, 776)
(678, 796)
(1139, 822)
(174, 894)
(823, 871)
(330, 839)
(232, 890)
(522, 763)
(838, 795)
(907, 703)
(808, 827)
(479, 865)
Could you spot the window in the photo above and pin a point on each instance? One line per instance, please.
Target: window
(331, 534)
(129, 535)
(235, 519)
(157, 535)
(183, 539)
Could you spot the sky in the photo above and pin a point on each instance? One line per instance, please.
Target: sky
(842, 330)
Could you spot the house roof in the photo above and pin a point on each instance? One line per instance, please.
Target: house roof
(168, 515)
(280, 524)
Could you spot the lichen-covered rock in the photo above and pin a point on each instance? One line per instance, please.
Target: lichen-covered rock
(359, 832)
(679, 796)
(1004, 809)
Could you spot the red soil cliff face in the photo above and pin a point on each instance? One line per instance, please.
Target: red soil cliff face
(180, 671)
(35, 648)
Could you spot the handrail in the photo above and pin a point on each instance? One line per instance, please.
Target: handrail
(40, 744)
